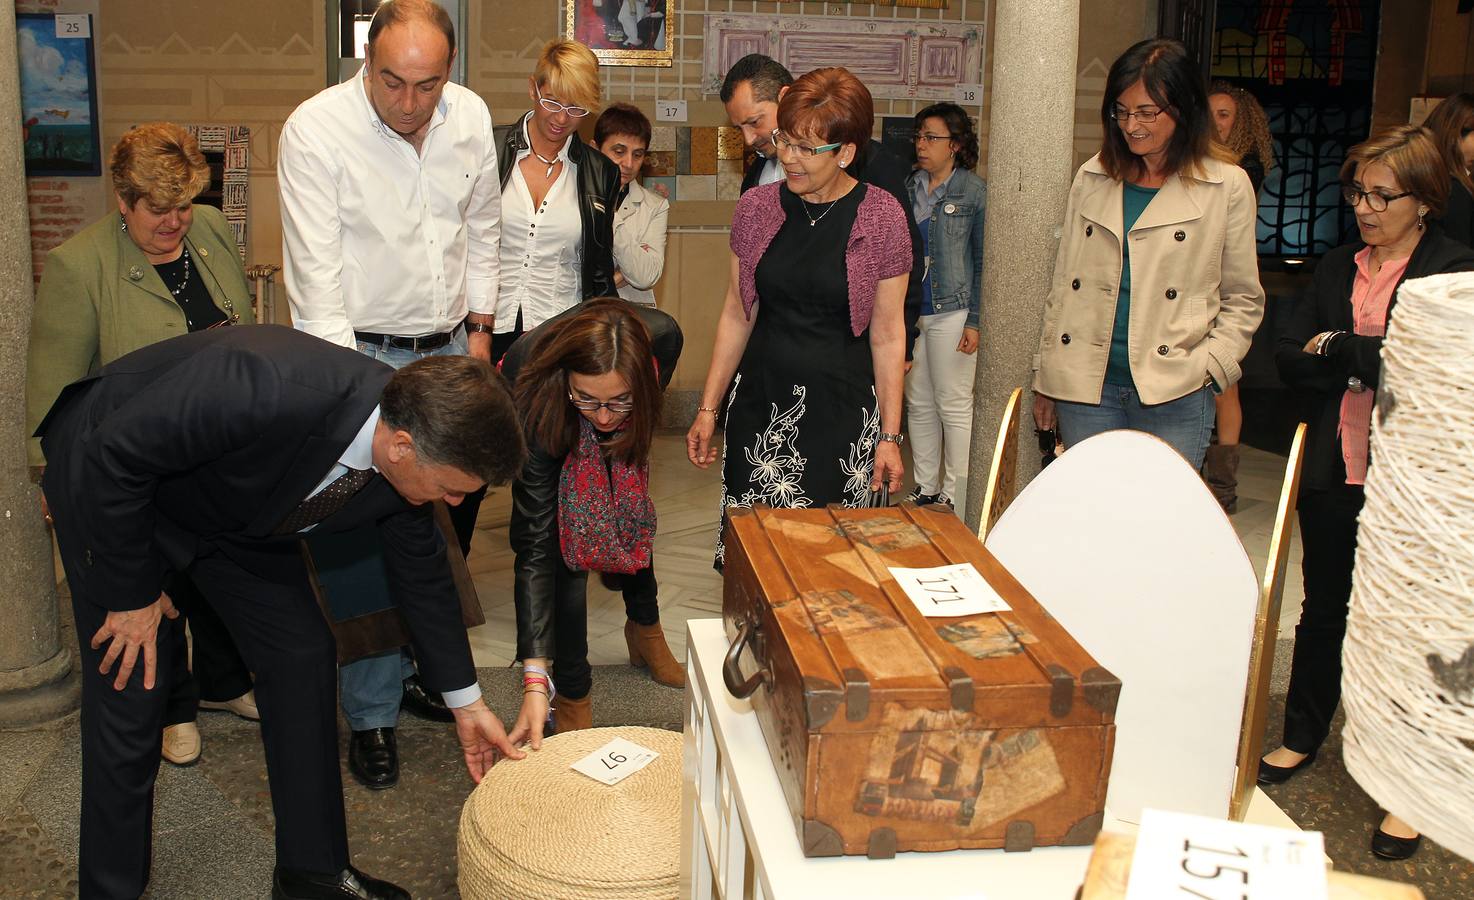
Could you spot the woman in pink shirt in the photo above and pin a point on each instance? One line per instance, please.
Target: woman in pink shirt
(1330, 354)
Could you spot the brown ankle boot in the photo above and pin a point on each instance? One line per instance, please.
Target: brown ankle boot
(572, 715)
(1221, 472)
(648, 647)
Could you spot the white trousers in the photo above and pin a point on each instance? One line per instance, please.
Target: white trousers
(939, 406)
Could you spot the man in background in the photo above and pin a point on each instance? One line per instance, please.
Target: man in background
(391, 209)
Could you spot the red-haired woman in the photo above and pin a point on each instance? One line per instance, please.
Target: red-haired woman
(587, 385)
(812, 325)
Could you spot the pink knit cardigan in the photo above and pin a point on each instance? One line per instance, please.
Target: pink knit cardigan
(879, 246)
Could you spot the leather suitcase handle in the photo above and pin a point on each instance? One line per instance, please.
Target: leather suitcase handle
(732, 675)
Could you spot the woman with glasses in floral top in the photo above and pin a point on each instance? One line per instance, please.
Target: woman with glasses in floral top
(812, 326)
(587, 386)
(558, 199)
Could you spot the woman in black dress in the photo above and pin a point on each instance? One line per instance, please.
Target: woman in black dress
(812, 326)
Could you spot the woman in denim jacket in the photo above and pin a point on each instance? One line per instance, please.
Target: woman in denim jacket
(948, 200)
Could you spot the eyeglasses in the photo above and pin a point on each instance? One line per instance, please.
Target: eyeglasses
(1375, 202)
(1144, 116)
(553, 106)
(930, 138)
(781, 142)
(618, 407)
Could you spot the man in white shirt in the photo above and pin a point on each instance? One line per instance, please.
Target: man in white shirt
(391, 208)
(623, 134)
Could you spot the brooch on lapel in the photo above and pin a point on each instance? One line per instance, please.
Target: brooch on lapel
(135, 273)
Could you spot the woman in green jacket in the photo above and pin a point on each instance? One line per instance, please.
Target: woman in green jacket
(157, 268)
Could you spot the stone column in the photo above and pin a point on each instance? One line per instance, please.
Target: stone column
(1031, 139)
(38, 678)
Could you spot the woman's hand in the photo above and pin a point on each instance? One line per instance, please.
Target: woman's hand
(531, 720)
(1044, 418)
(969, 342)
(888, 468)
(699, 447)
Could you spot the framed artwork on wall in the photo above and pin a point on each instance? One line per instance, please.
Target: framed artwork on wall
(620, 32)
(58, 94)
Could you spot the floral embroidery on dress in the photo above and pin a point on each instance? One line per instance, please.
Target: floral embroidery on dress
(861, 462)
(777, 465)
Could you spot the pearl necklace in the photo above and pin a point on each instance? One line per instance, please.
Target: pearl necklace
(184, 282)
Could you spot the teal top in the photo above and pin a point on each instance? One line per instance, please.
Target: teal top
(1134, 201)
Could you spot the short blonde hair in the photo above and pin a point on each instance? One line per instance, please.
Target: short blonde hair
(161, 163)
(1411, 154)
(570, 71)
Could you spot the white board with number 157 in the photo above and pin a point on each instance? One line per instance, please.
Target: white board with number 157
(1120, 541)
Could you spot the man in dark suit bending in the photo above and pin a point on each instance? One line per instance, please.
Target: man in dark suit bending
(155, 466)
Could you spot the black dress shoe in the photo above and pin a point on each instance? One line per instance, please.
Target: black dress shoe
(1390, 846)
(423, 703)
(373, 758)
(1280, 774)
(349, 884)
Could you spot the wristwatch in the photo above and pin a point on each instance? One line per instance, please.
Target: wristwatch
(478, 327)
(896, 439)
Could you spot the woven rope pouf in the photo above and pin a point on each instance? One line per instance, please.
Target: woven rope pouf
(536, 828)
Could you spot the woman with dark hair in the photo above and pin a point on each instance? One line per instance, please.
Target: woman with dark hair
(948, 200)
(587, 385)
(1241, 125)
(812, 325)
(1452, 126)
(1156, 288)
(1330, 354)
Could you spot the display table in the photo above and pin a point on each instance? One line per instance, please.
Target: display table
(738, 839)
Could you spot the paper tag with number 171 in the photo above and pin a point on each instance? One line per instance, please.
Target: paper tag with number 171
(615, 761)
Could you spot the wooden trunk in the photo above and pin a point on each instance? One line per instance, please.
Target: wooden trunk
(892, 731)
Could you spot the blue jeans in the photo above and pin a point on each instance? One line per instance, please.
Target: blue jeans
(372, 687)
(1185, 423)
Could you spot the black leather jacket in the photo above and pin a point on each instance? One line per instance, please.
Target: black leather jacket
(542, 582)
(598, 195)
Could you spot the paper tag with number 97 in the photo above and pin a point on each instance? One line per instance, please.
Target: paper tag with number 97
(615, 761)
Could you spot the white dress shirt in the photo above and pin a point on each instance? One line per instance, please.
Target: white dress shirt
(359, 454)
(772, 171)
(376, 237)
(542, 249)
(639, 242)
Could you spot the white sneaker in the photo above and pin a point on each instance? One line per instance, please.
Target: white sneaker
(182, 743)
(243, 706)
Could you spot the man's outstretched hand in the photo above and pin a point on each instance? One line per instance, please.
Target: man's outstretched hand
(483, 739)
(133, 632)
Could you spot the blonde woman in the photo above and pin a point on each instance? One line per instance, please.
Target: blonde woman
(157, 267)
(1241, 125)
(558, 199)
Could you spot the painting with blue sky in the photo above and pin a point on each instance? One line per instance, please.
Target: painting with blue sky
(58, 99)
